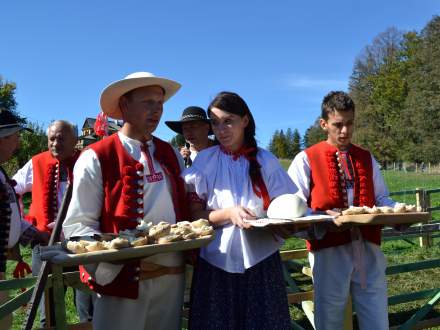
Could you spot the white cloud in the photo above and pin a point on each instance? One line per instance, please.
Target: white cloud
(304, 82)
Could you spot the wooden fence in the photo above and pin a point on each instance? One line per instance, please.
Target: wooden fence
(302, 299)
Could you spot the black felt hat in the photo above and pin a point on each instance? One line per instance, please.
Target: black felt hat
(189, 114)
(10, 123)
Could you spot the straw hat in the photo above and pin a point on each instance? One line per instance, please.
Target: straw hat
(112, 93)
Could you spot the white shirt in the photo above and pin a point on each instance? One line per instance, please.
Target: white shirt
(193, 155)
(18, 225)
(83, 215)
(299, 171)
(24, 178)
(224, 182)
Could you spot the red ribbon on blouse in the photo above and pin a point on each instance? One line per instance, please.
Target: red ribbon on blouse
(258, 185)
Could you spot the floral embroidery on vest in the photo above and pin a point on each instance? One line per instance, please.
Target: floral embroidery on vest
(338, 188)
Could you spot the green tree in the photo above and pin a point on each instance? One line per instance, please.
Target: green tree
(30, 143)
(279, 145)
(7, 95)
(314, 134)
(177, 141)
(379, 89)
(422, 108)
(296, 143)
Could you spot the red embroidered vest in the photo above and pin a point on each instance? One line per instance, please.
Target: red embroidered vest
(122, 178)
(328, 191)
(45, 185)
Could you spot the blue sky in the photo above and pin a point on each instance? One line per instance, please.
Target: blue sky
(282, 57)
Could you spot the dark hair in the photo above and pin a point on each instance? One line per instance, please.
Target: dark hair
(233, 103)
(336, 101)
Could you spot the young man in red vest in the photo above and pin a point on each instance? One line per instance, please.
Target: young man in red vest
(331, 176)
(46, 176)
(119, 181)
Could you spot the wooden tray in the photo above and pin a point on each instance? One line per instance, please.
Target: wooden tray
(58, 255)
(386, 218)
(306, 221)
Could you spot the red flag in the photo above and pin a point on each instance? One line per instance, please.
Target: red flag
(101, 125)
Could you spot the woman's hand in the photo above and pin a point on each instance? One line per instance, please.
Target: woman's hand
(237, 215)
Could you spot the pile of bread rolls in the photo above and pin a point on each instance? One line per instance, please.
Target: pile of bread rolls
(398, 208)
(146, 233)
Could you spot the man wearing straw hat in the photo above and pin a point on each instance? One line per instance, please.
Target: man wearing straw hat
(119, 181)
(195, 128)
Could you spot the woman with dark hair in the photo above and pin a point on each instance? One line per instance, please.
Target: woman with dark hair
(238, 281)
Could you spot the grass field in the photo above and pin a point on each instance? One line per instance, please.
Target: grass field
(397, 252)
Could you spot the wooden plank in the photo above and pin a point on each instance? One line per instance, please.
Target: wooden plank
(294, 254)
(421, 313)
(15, 303)
(386, 218)
(308, 309)
(348, 315)
(76, 326)
(425, 228)
(290, 283)
(45, 267)
(411, 267)
(58, 256)
(58, 297)
(432, 191)
(407, 297)
(403, 192)
(297, 297)
(307, 271)
(17, 283)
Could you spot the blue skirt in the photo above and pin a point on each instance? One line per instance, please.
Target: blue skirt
(256, 299)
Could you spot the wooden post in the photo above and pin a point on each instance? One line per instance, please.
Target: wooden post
(421, 199)
(348, 315)
(426, 239)
(58, 297)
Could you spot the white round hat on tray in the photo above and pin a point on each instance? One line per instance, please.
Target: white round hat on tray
(287, 206)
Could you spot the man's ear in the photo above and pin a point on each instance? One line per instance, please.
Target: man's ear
(323, 123)
(123, 105)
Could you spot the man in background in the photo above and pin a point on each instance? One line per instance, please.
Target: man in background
(46, 176)
(195, 128)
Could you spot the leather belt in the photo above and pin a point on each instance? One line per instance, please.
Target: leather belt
(149, 270)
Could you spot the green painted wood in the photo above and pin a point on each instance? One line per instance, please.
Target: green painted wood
(433, 191)
(407, 297)
(291, 285)
(421, 313)
(296, 326)
(430, 209)
(58, 298)
(15, 303)
(403, 192)
(17, 283)
(411, 267)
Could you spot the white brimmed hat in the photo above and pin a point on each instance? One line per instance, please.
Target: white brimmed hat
(112, 93)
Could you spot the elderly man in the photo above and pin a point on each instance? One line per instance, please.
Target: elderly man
(46, 175)
(12, 228)
(195, 128)
(119, 181)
